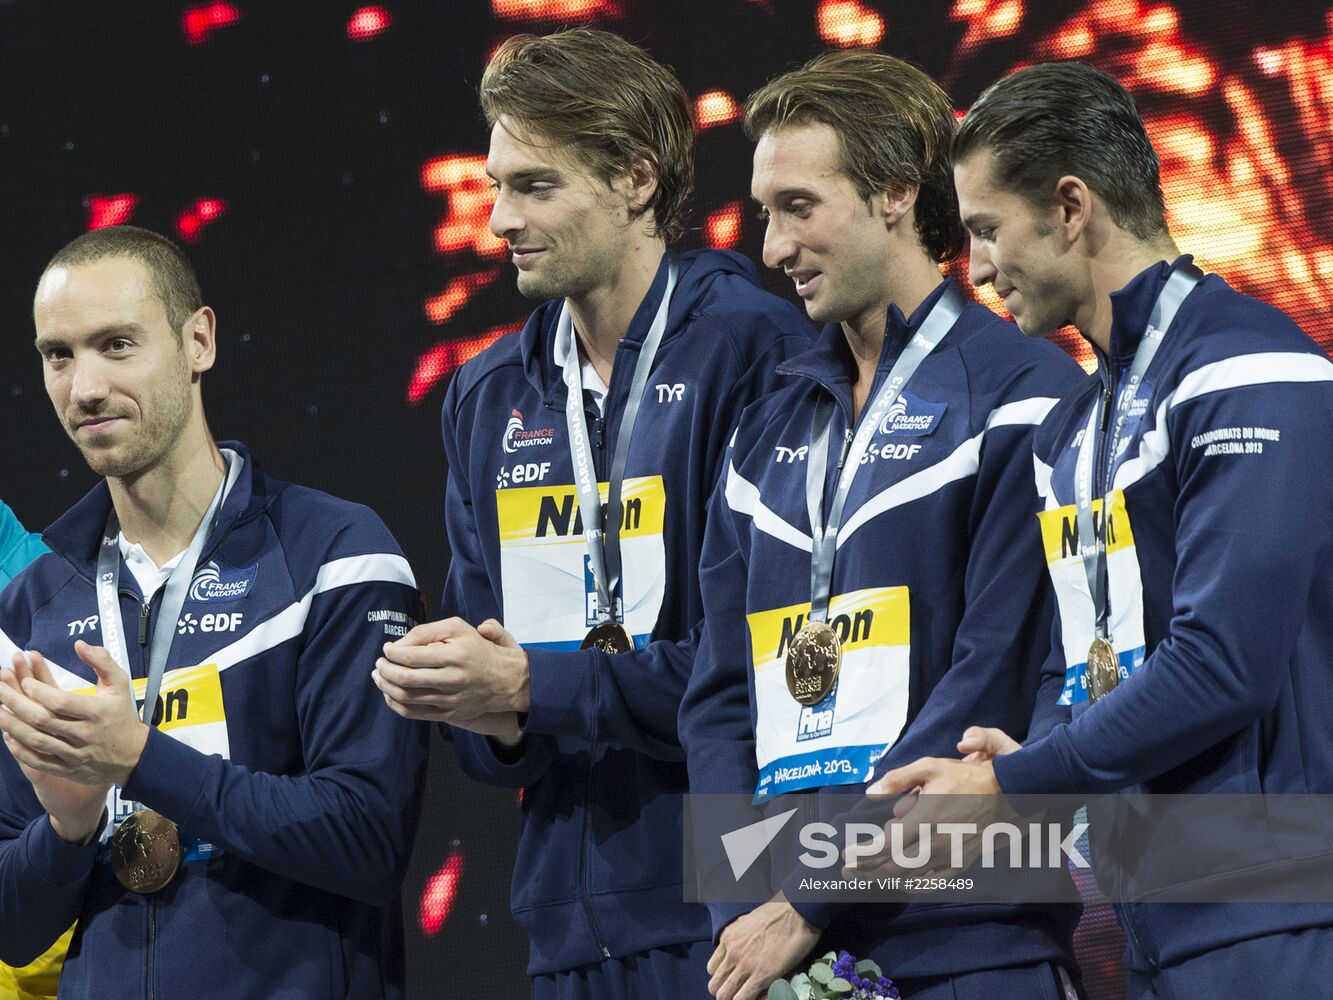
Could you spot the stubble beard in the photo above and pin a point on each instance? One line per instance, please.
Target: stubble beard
(164, 421)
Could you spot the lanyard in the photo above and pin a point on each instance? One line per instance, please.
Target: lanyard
(603, 538)
(173, 596)
(1093, 553)
(824, 535)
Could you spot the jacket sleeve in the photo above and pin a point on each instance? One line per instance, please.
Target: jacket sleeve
(344, 824)
(1004, 629)
(18, 547)
(42, 878)
(716, 713)
(468, 594)
(1244, 572)
(632, 699)
(1048, 713)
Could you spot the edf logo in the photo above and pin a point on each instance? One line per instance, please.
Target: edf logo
(670, 393)
(221, 622)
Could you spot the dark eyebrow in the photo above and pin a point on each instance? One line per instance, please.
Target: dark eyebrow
(529, 174)
(43, 344)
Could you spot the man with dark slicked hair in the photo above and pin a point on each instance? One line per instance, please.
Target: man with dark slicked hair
(915, 408)
(1193, 612)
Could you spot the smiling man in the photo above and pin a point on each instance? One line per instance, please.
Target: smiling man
(581, 455)
(1191, 481)
(195, 763)
(888, 484)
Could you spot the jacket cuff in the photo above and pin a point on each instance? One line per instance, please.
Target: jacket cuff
(53, 860)
(563, 692)
(816, 914)
(1038, 768)
(724, 913)
(169, 778)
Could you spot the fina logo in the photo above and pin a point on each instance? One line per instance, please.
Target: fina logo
(210, 584)
(516, 437)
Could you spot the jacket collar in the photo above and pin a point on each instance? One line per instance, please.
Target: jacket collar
(537, 341)
(77, 534)
(1131, 308)
(830, 361)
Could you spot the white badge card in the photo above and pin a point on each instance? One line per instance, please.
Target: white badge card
(547, 589)
(840, 740)
(1059, 531)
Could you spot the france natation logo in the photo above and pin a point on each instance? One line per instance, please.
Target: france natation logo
(212, 583)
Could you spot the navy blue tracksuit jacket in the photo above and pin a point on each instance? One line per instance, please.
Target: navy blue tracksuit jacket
(598, 873)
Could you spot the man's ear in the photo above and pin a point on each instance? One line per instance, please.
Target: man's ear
(895, 205)
(199, 340)
(1073, 201)
(641, 185)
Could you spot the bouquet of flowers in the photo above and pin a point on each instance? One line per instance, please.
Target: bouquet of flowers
(836, 976)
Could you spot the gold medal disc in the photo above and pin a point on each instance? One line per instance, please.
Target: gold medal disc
(813, 661)
(1103, 668)
(609, 637)
(146, 852)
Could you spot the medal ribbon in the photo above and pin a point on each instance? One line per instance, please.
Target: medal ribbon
(173, 596)
(1092, 544)
(603, 539)
(824, 535)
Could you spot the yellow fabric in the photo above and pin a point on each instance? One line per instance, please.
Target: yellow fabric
(38, 980)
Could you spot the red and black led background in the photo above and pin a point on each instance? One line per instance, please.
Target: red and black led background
(323, 165)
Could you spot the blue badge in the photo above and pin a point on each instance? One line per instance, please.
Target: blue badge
(215, 583)
(817, 720)
(912, 416)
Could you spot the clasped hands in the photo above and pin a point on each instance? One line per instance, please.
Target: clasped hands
(940, 795)
(71, 747)
(448, 671)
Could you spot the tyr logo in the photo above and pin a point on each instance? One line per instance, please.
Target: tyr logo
(670, 393)
(83, 625)
(791, 455)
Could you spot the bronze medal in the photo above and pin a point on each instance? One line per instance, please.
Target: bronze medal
(146, 852)
(609, 637)
(813, 661)
(1103, 668)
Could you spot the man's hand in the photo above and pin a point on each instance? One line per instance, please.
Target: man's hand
(758, 948)
(71, 747)
(448, 671)
(979, 744)
(938, 793)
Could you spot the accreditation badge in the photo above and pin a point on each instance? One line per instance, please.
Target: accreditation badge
(839, 738)
(1121, 652)
(547, 589)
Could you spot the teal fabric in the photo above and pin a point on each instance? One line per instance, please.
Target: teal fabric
(18, 547)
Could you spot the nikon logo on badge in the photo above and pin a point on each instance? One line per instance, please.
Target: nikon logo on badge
(516, 436)
(212, 584)
(850, 628)
(563, 517)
